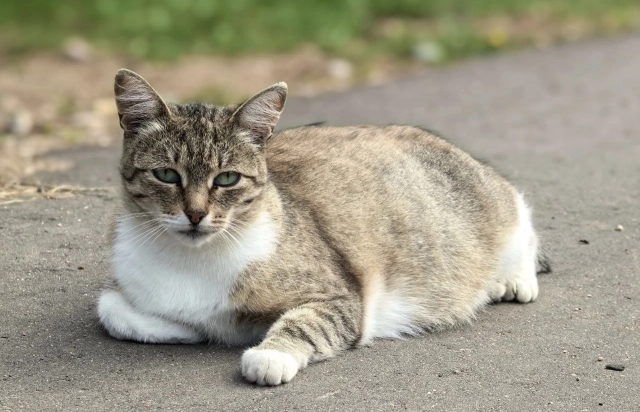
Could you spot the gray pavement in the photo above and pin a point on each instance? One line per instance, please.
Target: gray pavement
(562, 123)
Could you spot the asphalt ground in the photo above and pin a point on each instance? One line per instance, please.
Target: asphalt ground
(562, 123)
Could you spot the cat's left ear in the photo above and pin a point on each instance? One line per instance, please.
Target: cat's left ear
(259, 114)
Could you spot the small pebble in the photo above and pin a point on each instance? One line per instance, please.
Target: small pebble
(80, 267)
(600, 358)
(619, 228)
(583, 241)
(614, 367)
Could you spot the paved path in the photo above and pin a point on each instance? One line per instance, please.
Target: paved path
(563, 123)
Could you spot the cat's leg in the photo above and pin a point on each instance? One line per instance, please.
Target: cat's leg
(310, 332)
(516, 278)
(123, 321)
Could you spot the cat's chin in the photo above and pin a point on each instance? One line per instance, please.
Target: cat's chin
(194, 238)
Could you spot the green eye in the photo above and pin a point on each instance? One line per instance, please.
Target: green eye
(167, 175)
(226, 179)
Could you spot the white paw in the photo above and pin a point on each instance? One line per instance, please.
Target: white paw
(268, 366)
(516, 276)
(123, 322)
(522, 290)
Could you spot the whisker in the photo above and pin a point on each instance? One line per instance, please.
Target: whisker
(158, 229)
(226, 239)
(238, 229)
(146, 218)
(152, 221)
(134, 215)
(233, 237)
(146, 231)
(240, 223)
(164, 229)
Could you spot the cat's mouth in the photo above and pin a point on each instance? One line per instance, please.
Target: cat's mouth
(194, 237)
(198, 235)
(195, 233)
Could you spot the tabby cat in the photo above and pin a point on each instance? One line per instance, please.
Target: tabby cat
(304, 242)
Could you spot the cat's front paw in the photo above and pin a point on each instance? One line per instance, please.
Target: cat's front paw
(122, 321)
(268, 366)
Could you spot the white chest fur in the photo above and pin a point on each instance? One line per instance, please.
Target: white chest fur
(189, 285)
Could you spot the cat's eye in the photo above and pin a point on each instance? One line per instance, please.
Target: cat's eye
(226, 179)
(167, 175)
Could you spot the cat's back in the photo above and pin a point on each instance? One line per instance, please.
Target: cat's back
(374, 144)
(394, 159)
(391, 182)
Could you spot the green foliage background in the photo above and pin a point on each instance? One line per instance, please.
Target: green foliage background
(166, 29)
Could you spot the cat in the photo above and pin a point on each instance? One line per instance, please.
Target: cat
(301, 243)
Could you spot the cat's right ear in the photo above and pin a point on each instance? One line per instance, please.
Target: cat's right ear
(138, 104)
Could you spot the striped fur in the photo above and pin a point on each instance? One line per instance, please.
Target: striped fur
(331, 238)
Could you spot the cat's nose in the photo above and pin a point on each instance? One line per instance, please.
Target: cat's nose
(195, 216)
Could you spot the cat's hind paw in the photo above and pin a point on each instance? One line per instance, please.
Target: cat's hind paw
(518, 289)
(268, 366)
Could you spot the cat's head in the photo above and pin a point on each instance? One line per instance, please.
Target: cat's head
(194, 170)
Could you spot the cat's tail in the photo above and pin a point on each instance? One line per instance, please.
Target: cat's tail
(543, 264)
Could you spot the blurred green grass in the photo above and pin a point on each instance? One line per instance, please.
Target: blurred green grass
(435, 30)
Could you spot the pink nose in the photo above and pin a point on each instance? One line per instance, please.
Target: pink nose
(195, 216)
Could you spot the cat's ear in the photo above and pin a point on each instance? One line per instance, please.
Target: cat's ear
(259, 114)
(138, 104)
